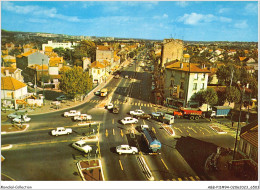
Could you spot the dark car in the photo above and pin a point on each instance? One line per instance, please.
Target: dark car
(144, 116)
(115, 109)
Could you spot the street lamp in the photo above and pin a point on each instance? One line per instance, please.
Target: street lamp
(238, 126)
(42, 82)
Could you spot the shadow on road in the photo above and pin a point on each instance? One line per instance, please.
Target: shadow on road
(195, 152)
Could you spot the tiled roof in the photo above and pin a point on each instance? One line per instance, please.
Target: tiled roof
(48, 49)
(186, 55)
(194, 68)
(9, 83)
(104, 48)
(54, 61)
(38, 67)
(27, 53)
(51, 54)
(97, 64)
(251, 135)
(11, 69)
(242, 58)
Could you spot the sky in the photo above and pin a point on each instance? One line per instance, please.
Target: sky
(185, 20)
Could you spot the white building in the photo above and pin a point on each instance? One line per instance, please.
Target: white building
(58, 44)
(98, 72)
(13, 93)
(182, 81)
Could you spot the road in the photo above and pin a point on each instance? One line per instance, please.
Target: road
(40, 156)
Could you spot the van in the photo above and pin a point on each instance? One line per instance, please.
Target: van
(167, 118)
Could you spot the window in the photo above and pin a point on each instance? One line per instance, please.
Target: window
(182, 74)
(172, 82)
(196, 76)
(195, 86)
(202, 86)
(182, 85)
(203, 75)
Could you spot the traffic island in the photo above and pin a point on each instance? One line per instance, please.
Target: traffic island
(90, 170)
(13, 128)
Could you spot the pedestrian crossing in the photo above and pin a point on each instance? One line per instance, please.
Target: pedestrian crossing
(117, 102)
(189, 178)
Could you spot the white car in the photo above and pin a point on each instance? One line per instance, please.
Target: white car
(72, 113)
(82, 146)
(110, 106)
(126, 76)
(13, 115)
(144, 127)
(82, 117)
(126, 149)
(21, 119)
(61, 131)
(129, 120)
(30, 84)
(137, 112)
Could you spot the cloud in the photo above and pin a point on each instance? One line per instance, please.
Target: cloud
(182, 3)
(251, 8)
(37, 11)
(224, 10)
(241, 24)
(161, 17)
(37, 20)
(194, 19)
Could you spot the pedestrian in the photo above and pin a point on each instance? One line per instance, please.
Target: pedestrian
(210, 119)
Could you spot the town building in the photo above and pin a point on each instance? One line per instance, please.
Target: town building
(12, 72)
(68, 45)
(247, 160)
(182, 81)
(98, 72)
(13, 93)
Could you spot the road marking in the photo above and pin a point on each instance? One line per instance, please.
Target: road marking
(106, 133)
(192, 178)
(122, 134)
(179, 179)
(141, 104)
(197, 177)
(186, 179)
(153, 129)
(121, 165)
(173, 179)
(113, 131)
(7, 176)
(164, 164)
(144, 105)
(113, 121)
(180, 130)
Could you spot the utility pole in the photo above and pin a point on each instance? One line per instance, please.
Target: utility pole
(42, 82)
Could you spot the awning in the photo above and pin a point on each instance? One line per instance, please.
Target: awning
(21, 102)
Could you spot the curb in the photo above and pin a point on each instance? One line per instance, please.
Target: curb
(145, 168)
(80, 170)
(4, 132)
(7, 147)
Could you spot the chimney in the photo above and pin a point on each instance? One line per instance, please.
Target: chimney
(202, 66)
(7, 72)
(181, 65)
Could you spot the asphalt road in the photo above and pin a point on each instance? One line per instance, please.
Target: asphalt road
(36, 155)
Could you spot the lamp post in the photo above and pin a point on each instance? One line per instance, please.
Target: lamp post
(42, 82)
(238, 126)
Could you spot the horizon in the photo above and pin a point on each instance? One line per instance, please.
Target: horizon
(233, 21)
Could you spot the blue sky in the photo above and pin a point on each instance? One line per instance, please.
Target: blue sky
(187, 20)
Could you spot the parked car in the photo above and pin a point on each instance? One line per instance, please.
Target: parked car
(61, 97)
(109, 106)
(13, 115)
(97, 93)
(126, 149)
(82, 117)
(144, 127)
(137, 112)
(116, 76)
(21, 119)
(82, 146)
(72, 113)
(144, 116)
(30, 84)
(129, 120)
(61, 131)
(126, 76)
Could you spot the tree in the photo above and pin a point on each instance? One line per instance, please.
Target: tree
(85, 48)
(209, 96)
(233, 94)
(75, 82)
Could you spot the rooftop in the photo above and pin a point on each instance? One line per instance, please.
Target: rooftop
(9, 83)
(186, 67)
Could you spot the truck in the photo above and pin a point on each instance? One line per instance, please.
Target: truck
(220, 111)
(71, 113)
(191, 113)
(103, 92)
(153, 143)
(82, 117)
